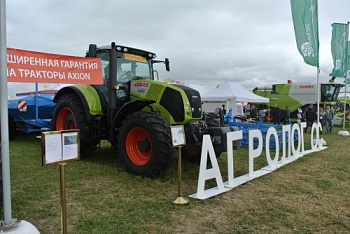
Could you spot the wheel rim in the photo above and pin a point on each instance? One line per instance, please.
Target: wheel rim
(65, 119)
(347, 115)
(269, 117)
(137, 154)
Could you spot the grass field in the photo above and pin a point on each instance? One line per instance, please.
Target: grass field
(310, 195)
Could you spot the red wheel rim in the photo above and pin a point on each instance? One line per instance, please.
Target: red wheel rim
(269, 117)
(65, 119)
(347, 115)
(133, 150)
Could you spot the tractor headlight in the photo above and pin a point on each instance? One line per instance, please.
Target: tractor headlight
(187, 111)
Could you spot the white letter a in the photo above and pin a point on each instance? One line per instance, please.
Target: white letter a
(206, 174)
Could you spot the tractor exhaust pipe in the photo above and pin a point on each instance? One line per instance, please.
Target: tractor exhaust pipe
(112, 82)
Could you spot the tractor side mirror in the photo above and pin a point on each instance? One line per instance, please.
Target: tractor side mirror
(167, 64)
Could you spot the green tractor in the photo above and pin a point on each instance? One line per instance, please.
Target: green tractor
(134, 112)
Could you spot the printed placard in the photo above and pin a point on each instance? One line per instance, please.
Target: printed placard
(60, 146)
(178, 135)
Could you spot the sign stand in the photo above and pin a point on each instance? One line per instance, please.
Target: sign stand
(180, 200)
(63, 198)
(178, 139)
(60, 147)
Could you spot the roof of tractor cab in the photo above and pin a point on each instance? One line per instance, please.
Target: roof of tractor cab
(126, 49)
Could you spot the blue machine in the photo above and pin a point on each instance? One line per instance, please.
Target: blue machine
(32, 112)
(242, 123)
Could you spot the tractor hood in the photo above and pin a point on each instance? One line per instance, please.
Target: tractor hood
(180, 103)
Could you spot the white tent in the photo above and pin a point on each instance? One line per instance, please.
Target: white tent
(231, 93)
(234, 91)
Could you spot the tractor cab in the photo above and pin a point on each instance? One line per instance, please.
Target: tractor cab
(120, 65)
(330, 92)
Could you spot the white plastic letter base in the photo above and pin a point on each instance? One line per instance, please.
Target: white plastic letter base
(343, 133)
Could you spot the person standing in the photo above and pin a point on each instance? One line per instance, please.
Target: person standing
(328, 114)
(286, 116)
(321, 116)
(253, 111)
(309, 116)
(276, 114)
(223, 109)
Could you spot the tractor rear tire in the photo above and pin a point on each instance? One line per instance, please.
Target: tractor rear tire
(69, 114)
(144, 144)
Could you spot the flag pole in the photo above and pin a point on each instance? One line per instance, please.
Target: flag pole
(346, 65)
(318, 95)
(345, 133)
(344, 107)
(4, 119)
(9, 224)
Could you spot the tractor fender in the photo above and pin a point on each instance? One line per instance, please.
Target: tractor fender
(88, 96)
(128, 108)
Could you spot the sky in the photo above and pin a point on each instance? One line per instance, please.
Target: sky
(207, 42)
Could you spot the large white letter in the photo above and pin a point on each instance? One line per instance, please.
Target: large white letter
(206, 174)
(320, 141)
(231, 136)
(272, 163)
(301, 131)
(300, 138)
(254, 153)
(286, 135)
(315, 142)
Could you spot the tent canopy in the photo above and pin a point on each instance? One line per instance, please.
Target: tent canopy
(234, 91)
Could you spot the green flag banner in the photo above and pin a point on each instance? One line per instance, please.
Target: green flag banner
(339, 47)
(305, 20)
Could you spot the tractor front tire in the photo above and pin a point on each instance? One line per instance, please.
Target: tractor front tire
(69, 114)
(144, 144)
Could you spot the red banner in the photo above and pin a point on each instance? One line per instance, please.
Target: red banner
(36, 67)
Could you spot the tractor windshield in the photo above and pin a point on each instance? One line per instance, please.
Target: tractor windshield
(131, 67)
(330, 92)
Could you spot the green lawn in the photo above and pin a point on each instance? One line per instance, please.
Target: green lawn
(310, 195)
